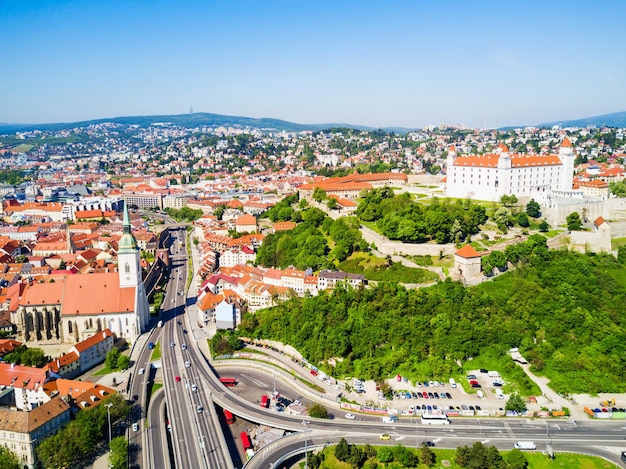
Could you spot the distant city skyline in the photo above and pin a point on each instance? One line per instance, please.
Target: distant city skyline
(394, 64)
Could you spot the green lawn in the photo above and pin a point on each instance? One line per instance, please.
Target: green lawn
(375, 268)
(155, 388)
(536, 460)
(23, 148)
(104, 371)
(156, 352)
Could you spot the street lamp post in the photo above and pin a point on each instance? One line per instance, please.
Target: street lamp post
(306, 454)
(108, 406)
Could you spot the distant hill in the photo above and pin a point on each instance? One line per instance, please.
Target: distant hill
(190, 121)
(616, 119)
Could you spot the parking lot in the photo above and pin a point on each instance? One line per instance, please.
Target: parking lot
(431, 395)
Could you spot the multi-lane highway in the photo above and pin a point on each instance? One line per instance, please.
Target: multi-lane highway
(195, 432)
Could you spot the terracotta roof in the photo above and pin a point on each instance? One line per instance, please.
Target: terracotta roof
(81, 290)
(246, 220)
(284, 225)
(20, 376)
(566, 142)
(491, 160)
(27, 422)
(599, 221)
(467, 252)
(93, 340)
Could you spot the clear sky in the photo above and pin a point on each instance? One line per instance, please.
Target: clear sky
(377, 63)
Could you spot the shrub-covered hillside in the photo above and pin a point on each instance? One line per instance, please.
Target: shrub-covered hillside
(565, 311)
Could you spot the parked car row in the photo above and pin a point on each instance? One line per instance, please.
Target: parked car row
(445, 408)
(422, 395)
(432, 384)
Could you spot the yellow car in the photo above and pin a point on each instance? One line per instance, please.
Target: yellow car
(385, 436)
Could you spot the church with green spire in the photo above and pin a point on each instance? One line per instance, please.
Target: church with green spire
(76, 306)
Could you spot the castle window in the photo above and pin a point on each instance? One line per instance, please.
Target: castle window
(69, 327)
(127, 268)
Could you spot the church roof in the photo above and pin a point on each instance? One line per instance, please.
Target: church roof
(92, 294)
(87, 294)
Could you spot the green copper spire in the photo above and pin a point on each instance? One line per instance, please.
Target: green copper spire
(128, 243)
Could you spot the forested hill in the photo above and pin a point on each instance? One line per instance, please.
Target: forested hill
(565, 311)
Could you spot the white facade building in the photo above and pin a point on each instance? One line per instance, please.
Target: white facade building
(490, 176)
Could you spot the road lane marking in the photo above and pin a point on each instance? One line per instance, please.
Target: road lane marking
(255, 381)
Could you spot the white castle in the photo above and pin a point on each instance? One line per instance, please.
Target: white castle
(490, 176)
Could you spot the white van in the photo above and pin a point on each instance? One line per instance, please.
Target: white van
(480, 394)
(452, 383)
(390, 419)
(525, 445)
(499, 393)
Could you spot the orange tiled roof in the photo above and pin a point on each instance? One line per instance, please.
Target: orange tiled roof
(93, 340)
(467, 252)
(491, 160)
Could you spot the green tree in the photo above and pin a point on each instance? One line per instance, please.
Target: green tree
(516, 459)
(515, 403)
(357, 456)
(574, 223)
(522, 220)
(8, 460)
(342, 450)
(502, 218)
(533, 209)
(119, 452)
(508, 200)
(34, 357)
(332, 203)
(318, 411)
(427, 456)
(123, 362)
(385, 454)
(543, 226)
(319, 195)
(111, 358)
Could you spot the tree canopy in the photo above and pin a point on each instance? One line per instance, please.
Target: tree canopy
(562, 309)
(398, 217)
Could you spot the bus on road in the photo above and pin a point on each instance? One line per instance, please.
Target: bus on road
(228, 381)
(435, 419)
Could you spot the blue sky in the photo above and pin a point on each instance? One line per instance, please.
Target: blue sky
(394, 63)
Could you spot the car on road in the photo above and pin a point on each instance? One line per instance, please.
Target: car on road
(151, 345)
(141, 371)
(135, 397)
(135, 426)
(429, 443)
(199, 409)
(194, 388)
(350, 416)
(187, 364)
(177, 379)
(385, 436)
(172, 344)
(184, 346)
(448, 395)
